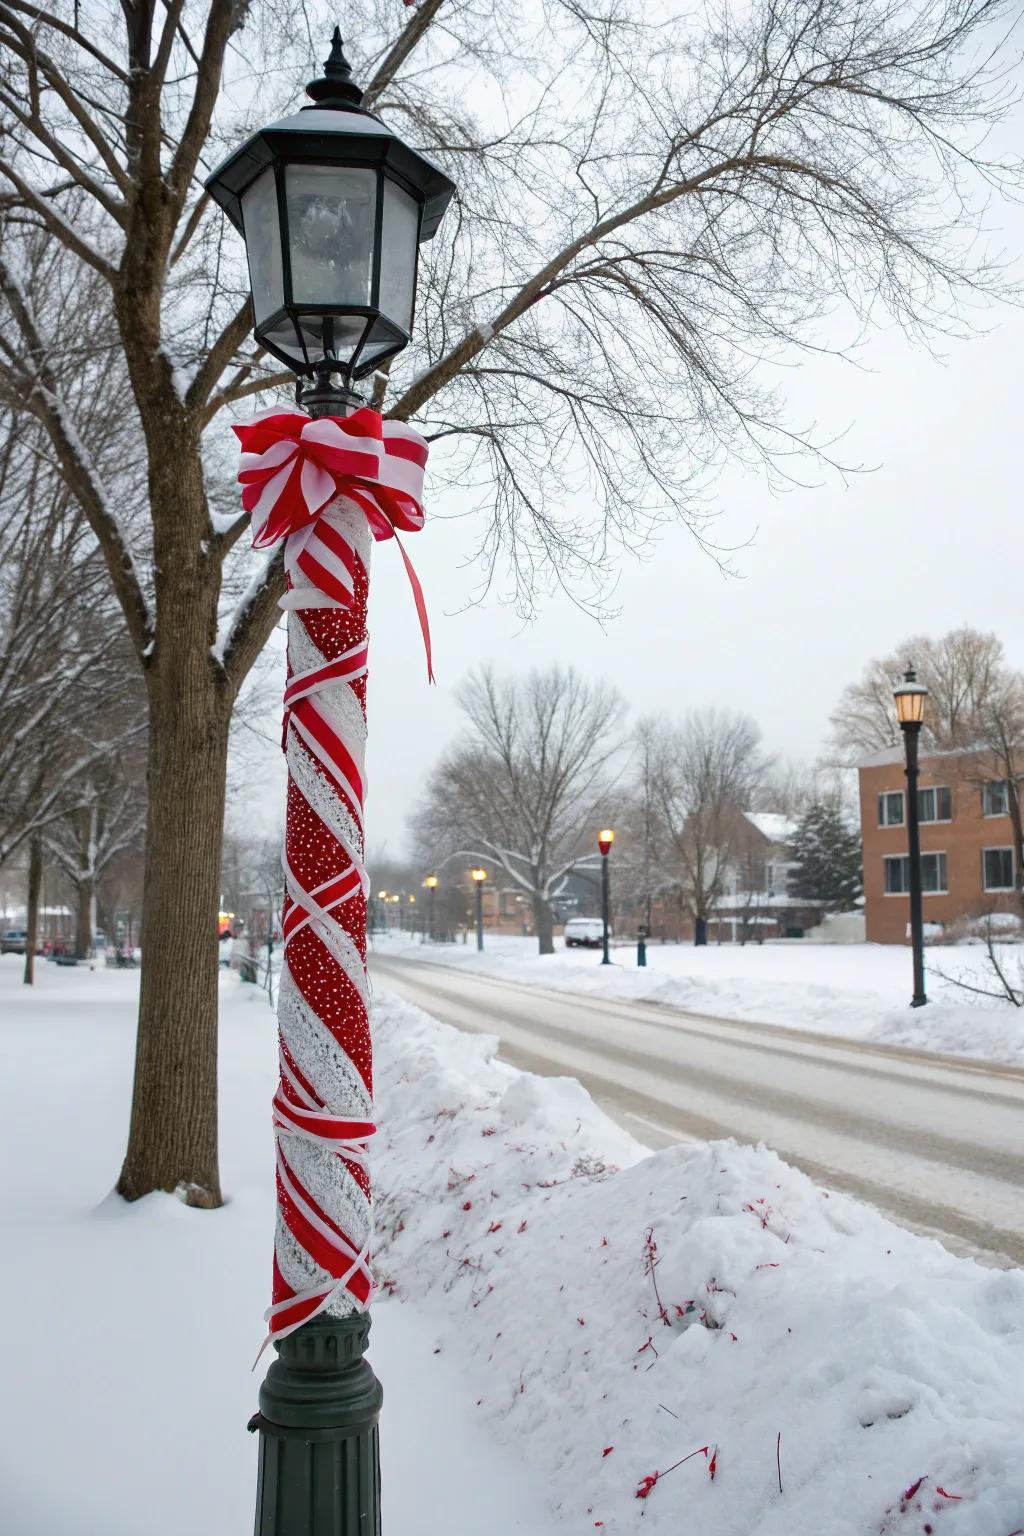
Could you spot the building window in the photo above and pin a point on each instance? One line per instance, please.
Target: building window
(890, 809)
(933, 874)
(995, 798)
(934, 805)
(997, 868)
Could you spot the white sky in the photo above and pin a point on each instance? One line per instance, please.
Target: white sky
(837, 574)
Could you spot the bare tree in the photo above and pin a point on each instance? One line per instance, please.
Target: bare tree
(520, 789)
(65, 706)
(706, 772)
(648, 209)
(107, 818)
(963, 671)
(997, 982)
(790, 787)
(637, 819)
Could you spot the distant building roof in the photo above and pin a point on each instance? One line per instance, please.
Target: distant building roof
(773, 825)
(762, 901)
(884, 755)
(880, 757)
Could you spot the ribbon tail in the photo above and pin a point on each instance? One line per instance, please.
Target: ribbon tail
(420, 601)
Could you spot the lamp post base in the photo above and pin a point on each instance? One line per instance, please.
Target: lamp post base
(319, 1464)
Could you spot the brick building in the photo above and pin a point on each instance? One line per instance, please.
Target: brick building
(968, 856)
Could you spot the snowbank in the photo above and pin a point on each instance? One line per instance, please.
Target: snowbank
(856, 991)
(524, 1342)
(526, 1221)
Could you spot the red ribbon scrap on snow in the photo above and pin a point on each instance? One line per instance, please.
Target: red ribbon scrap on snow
(293, 467)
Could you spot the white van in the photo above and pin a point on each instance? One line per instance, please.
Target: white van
(584, 932)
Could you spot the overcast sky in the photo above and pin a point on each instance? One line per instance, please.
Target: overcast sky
(929, 539)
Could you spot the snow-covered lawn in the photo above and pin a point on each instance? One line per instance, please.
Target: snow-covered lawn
(859, 991)
(532, 1358)
(131, 1330)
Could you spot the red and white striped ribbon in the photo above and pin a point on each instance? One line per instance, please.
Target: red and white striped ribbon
(328, 488)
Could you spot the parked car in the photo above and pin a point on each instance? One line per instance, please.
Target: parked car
(584, 933)
(13, 941)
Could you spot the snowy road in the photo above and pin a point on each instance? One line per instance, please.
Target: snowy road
(937, 1143)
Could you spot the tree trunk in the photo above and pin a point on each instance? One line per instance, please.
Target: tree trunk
(35, 880)
(544, 924)
(85, 895)
(172, 1141)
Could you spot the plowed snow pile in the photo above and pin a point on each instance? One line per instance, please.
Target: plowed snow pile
(617, 1311)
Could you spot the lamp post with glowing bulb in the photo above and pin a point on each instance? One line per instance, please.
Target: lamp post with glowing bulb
(605, 838)
(478, 876)
(910, 696)
(430, 884)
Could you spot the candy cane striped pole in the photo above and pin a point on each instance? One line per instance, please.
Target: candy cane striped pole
(320, 1402)
(323, 1106)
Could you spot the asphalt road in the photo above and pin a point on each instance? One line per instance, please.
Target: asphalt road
(934, 1141)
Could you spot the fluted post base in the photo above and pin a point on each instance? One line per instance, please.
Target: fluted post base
(319, 1465)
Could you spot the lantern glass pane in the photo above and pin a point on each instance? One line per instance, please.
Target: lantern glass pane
(263, 244)
(331, 212)
(399, 238)
(910, 706)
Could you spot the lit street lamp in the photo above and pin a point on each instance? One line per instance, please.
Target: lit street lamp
(910, 696)
(430, 884)
(478, 876)
(333, 207)
(604, 842)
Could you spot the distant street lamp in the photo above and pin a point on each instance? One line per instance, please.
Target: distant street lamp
(333, 207)
(430, 884)
(605, 839)
(478, 876)
(910, 696)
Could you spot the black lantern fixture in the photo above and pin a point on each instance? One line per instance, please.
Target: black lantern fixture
(333, 207)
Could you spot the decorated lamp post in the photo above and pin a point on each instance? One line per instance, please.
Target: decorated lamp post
(478, 876)
(910, 696)
(430, 885)
(333, 207)
(604, 842)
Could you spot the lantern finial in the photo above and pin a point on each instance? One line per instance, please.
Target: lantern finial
(336, 87)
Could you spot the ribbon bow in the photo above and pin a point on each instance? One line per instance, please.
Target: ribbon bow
(293, 467)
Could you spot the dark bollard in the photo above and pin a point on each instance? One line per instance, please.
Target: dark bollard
(641, 945)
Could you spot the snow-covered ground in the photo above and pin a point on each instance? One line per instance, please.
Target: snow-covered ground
(535, 1364)
(858, 991)
(131, 1330)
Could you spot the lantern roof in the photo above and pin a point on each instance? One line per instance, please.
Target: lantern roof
(335, 128)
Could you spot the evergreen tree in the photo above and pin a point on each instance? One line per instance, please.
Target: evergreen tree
(827, 855)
